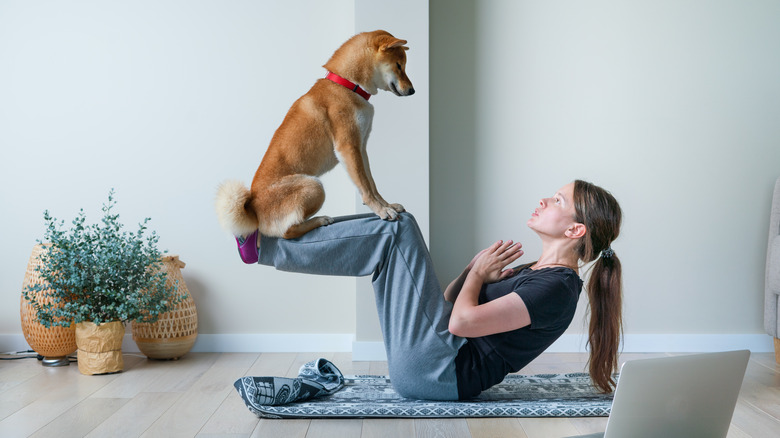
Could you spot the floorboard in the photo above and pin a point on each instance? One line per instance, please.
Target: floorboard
(194, 397)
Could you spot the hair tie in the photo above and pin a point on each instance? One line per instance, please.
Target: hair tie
(608, 253)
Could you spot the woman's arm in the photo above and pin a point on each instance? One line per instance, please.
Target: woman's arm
(469, 318)
(452, 291)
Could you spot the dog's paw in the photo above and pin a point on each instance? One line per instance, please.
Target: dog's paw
(324, 220)
(387, 213)
(398, 208)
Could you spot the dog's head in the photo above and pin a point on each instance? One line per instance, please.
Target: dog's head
(390, 65)
(374, 60)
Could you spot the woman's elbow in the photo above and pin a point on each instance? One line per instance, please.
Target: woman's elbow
(458, 327)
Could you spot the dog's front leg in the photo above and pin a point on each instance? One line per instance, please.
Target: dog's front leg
(397, 207)
(349, 153)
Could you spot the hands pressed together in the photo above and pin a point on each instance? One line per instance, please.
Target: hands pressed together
(490, 263)
(469, 318)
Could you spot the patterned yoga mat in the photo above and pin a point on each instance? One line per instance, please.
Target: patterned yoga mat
(542, 395)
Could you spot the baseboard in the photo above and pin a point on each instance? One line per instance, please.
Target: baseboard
(276, 343)
(13, 342)
(672, 343)
(231, 343)
(632, 343)
(368, 351)
(759, 343)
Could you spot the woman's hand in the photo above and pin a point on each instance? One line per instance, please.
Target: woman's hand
(474, 260)
(471, 319)
(453, 289)
(489, 263)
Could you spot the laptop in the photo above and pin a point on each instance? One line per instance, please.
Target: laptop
(682, 396)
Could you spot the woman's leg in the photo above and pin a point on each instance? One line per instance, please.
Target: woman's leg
(412, 311)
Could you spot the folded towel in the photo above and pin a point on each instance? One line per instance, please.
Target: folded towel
(323, 372)
(316, 378)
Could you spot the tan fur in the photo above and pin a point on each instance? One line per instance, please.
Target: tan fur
(232, 197)
(328, 124)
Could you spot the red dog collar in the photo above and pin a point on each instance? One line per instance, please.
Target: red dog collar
(352, 86)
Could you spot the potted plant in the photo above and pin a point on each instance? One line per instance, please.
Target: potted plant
(98, 277)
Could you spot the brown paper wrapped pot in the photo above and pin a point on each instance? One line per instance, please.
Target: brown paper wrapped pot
(100, 347)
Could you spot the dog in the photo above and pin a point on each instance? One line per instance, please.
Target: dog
(327, 125)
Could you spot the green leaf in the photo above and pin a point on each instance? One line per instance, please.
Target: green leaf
(99, 273)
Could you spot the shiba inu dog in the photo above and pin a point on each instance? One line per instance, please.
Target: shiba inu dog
(327, 125)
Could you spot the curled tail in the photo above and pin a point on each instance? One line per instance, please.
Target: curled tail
(234, 209)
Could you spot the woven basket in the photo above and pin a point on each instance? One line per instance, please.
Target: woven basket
(174, 333)
(49, 342)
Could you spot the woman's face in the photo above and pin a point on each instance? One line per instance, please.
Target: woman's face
(554, 215)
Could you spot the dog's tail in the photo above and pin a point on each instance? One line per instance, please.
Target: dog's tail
(234, 209)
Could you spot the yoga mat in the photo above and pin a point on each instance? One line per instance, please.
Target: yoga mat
(366, 396)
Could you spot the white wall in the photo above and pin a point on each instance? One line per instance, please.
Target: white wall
(162, 101)
(399, 144)
(671, 105)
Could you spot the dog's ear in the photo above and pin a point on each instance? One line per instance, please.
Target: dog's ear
(393, 43)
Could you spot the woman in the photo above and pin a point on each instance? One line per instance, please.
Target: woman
(454, 345)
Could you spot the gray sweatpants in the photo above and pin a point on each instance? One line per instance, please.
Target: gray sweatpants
(412, 311)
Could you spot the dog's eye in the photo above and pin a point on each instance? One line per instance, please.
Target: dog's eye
(399, 66)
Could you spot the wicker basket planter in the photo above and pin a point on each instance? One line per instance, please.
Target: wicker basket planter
(175, 332)
(55, 343)
(100, 347)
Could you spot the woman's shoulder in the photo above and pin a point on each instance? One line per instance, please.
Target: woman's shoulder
(555, 277)
(546, 273)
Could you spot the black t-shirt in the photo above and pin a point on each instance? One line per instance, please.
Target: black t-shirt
(550, 294)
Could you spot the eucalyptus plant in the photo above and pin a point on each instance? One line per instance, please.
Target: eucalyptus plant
(100, 273)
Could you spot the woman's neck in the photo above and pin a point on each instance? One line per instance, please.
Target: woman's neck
(557, 255)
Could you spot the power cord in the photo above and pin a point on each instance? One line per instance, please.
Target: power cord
(28, 354)
(21, 355)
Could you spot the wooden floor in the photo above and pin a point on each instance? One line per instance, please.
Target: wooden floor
(194, 397)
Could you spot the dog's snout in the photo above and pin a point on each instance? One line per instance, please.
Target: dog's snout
(411, 91)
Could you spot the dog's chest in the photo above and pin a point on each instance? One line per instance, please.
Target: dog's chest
(364, 117)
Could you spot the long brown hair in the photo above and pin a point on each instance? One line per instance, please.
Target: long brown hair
(600, 212)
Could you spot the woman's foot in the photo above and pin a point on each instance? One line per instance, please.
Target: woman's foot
(247, 247)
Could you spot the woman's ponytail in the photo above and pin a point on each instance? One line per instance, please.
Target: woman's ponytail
(606, 321)
(600, 212)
